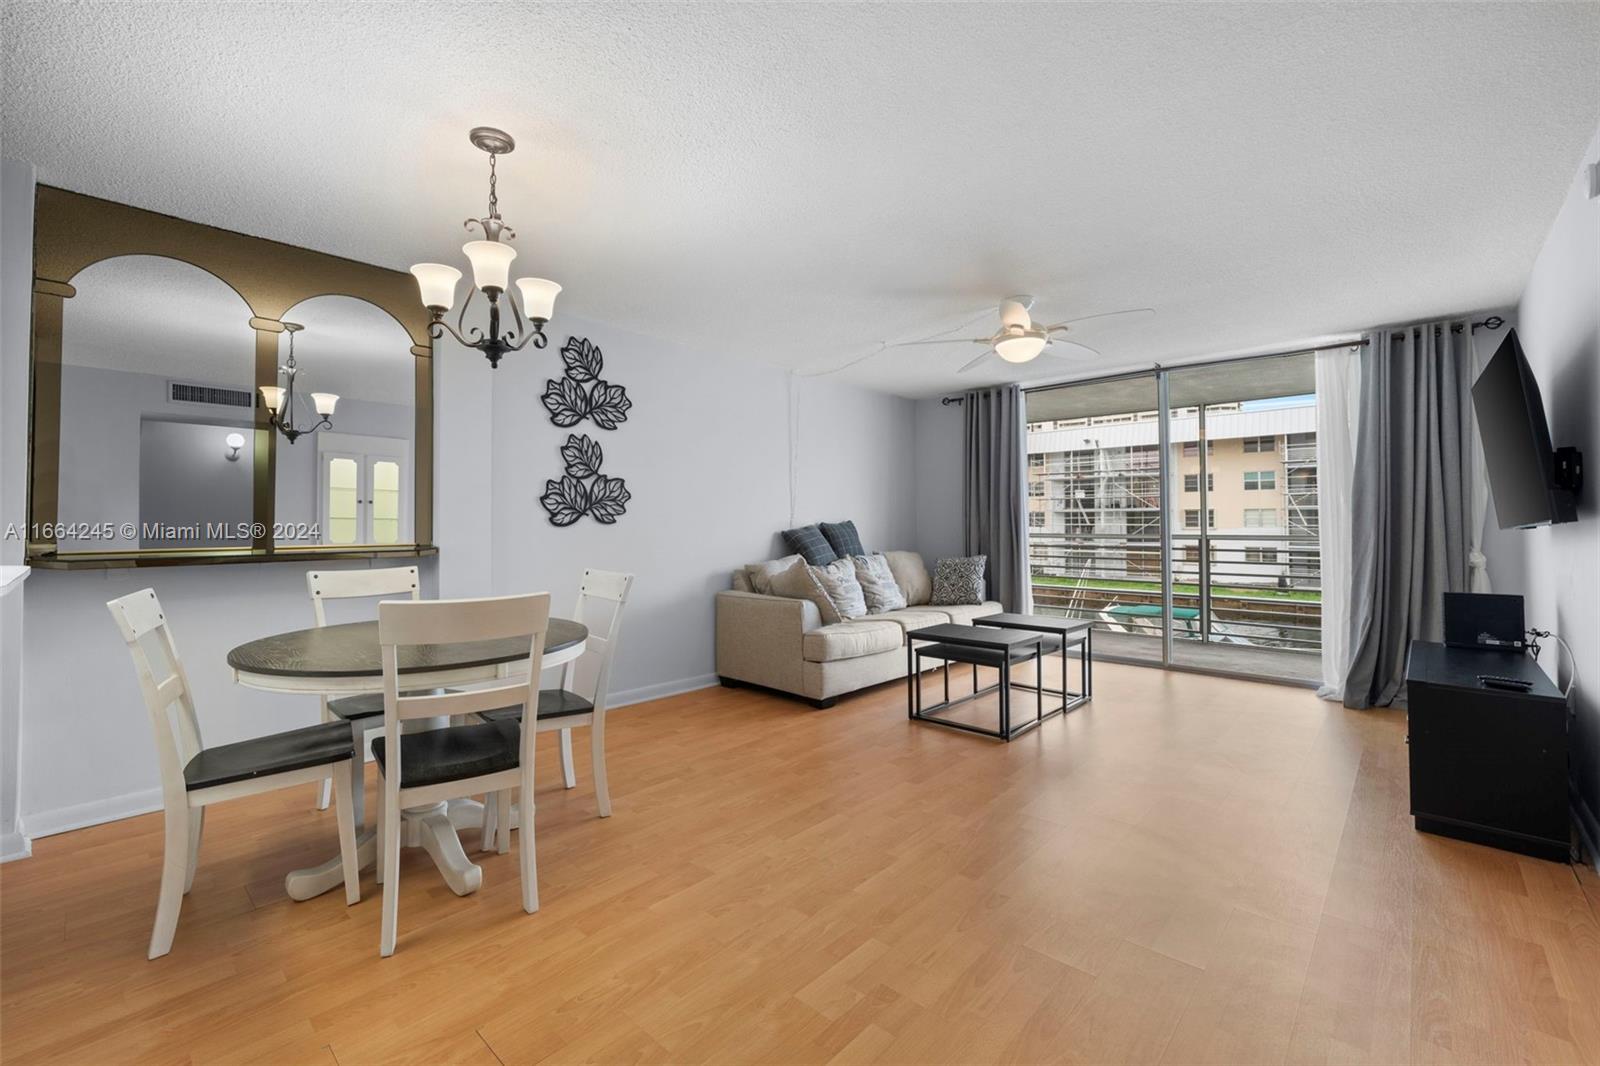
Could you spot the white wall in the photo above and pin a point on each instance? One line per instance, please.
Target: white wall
(705, 454)
(1557, 568)
(16, 288)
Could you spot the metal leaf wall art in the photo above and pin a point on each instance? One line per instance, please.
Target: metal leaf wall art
(581, 392)
(583, 489)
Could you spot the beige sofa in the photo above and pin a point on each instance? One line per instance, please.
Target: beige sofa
(780, 643)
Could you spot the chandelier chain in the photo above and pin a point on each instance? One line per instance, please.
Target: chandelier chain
(494, 196)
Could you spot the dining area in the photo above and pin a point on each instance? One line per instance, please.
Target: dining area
(439, 694)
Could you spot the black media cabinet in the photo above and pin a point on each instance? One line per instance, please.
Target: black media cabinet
(1488, 765)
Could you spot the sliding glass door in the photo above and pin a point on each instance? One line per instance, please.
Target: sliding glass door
(1230, 580)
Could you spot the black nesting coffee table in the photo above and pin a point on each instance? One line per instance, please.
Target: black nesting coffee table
(985, 646)
(1069, 633)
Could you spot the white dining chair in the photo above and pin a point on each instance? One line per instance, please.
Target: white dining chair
(585, 687)
(454, 762)
(194, 776)
(364, 711)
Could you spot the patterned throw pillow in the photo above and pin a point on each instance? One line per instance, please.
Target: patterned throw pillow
(839, 584)
(958, 581)
(810, 544)
(878, 584)
(843, 538)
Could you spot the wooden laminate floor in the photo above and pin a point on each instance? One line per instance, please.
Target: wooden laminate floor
(1190, 869)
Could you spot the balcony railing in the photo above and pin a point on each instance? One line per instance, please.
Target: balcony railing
(1262, 589)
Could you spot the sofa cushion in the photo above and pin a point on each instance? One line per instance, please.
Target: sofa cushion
(916, 617)
(851, 640)
(842, 538)
(839, 584)
(878, 584)
(959, 580)
(962, 614)
(760, 574)
(809, 542)
(741, 581)
(911, 574)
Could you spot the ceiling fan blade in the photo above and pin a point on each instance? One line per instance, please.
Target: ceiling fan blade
(974, 364)
(1070, 350)
(942, 340)
(1103, 314)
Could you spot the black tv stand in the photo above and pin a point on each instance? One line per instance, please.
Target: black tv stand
(1488, 764)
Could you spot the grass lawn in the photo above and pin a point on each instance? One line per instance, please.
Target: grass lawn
(1183, 588)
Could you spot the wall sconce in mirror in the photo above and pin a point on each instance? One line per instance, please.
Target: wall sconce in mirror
(491, 271)
(234, 441)
(280, 400)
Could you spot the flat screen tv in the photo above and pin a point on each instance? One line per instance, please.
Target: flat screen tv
(1516, 443)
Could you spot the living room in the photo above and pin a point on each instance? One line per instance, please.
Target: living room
(1077, 509)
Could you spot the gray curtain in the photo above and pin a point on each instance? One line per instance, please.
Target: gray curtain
(1412, 501)
(994, 490)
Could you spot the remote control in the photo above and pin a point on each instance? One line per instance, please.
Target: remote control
(1495, 681)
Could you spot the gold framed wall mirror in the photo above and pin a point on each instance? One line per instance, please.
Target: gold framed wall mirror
(203, 396)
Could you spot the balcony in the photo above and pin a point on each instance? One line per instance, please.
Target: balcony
(1242, 602)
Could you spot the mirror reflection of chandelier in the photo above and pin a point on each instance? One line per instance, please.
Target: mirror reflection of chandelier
(491, 268)
(280, 400)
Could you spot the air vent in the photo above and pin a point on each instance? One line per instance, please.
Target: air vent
(187, 392)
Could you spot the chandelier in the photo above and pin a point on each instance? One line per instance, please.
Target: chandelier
(491, 267)
(280, 401)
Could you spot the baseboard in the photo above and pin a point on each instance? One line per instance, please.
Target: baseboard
(645, 693)
(15, 846)
(66, 819)
(1588, 829)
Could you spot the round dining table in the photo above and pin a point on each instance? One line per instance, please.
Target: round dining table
(345, 660)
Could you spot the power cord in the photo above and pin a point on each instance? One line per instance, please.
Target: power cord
(1535, 636)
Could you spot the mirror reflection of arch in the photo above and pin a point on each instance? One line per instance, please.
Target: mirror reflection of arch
(351, 483)
(157, 370)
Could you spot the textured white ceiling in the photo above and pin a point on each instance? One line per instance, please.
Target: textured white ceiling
(794, 183)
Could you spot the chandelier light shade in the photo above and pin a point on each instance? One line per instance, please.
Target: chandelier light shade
(438, 285)
(538, 297)
(280, 399)
(491, 259)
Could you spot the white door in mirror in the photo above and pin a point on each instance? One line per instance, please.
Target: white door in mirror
(363, 485)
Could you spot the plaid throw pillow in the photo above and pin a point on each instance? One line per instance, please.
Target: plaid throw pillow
(878, 584)
(809, 543)
(843, 538)
(958, 581)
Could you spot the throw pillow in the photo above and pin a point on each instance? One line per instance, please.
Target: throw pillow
(958, 581)
(911, 574)
(843, 538)
(877, 584)
(810, 544)
(838, 581)
(798, 583)
(760, 574)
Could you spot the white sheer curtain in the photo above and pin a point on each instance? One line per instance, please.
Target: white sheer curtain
(1338, 413)
(1477, 564)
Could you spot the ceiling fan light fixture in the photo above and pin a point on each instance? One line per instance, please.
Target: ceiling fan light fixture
(1020, 347)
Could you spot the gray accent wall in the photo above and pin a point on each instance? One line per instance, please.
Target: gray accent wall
(1557, 568)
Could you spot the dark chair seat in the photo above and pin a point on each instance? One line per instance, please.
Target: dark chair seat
(553, 703)
(370, 704)
(962, 653)
(264, 756)
(452, 754)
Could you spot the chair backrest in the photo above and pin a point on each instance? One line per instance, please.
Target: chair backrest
(402, 624)
(601, 598)
(327, 585)
(142, 621)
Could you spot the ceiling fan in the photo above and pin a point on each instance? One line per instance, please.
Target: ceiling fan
(1019, 340)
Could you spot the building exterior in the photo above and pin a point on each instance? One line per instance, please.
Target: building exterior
(1094, 494)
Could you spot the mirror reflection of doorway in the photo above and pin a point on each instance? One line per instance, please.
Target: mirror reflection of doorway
(362, 488)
